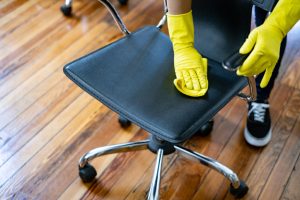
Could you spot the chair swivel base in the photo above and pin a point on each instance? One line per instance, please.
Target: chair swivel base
(87, 172)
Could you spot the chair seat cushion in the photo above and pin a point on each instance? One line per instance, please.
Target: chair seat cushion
(134, 77)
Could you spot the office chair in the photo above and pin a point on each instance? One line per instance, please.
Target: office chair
(66, 8)
(134, 75)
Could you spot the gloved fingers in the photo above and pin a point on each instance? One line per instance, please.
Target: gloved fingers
(249, 43)
(204, 64)
(179, 77)
(258, 68)
(179, 83)
(249, 64)
(195, 80)
(193, 93)
(179, 74)
(267, 76)
(202, 78)
(187, 79)
(202, 74)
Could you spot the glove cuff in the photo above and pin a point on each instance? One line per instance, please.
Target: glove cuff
(181, 29)
(284, 16)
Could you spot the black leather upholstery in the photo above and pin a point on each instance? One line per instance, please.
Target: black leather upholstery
(221, 26)
(134, 77)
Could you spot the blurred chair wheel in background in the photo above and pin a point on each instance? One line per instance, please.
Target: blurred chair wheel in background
(66, 8)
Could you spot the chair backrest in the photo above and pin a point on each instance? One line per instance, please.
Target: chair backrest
(221, 26)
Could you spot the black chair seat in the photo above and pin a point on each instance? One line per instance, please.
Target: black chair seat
(140, 85)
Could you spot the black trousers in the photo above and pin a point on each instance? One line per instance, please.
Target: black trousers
(264, 93)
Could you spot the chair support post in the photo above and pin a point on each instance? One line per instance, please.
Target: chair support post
(164, 18)
(68, 3)
(228, 173)
(155, 184)
(116, 16)
(118, 148)
(252, 87)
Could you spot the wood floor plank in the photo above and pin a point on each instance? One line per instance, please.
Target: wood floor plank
(141, 188)
(48, 137)
(268, 158)
(292, 75)
(9, 6)
(47, 122)
(14, 137)
(40, 78)
(21, 16)
(46, 161)
(125, 170)
(22, 156)
(288, 156)
(42, 54)
(13, 44)
(253, 173)
(4, 3)
(291, 190)
(171, 174)
(75, 189)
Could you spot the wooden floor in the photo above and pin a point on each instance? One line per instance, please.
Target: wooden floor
(47, 123)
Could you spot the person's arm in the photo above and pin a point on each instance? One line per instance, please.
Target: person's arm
(264, 41)
(190, 67)
(177, 7)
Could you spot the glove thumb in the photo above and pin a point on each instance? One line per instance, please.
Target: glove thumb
(249, 43)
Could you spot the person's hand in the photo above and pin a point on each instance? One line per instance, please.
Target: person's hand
(190, 67)
(191, 72)
(264, 41)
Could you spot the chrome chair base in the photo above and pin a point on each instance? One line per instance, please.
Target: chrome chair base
(88, 173)
(66, 8)
(68, 3)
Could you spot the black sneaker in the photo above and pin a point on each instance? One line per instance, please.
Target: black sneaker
(258, 129)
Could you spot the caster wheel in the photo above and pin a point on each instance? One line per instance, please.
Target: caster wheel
(124, 122)
(123, 2)
(239, 192)
(87, 173)
(206, 128)
(66, 10)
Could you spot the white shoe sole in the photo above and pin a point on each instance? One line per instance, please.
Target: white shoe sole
(257, 142)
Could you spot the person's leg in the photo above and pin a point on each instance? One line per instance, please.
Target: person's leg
(258, 129)
(259, 15)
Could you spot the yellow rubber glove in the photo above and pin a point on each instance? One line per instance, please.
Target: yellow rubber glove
(265, 40)
(190, 67)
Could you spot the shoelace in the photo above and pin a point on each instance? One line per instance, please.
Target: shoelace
(259, 110)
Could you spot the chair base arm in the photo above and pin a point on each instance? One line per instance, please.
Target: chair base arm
(87, 173)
